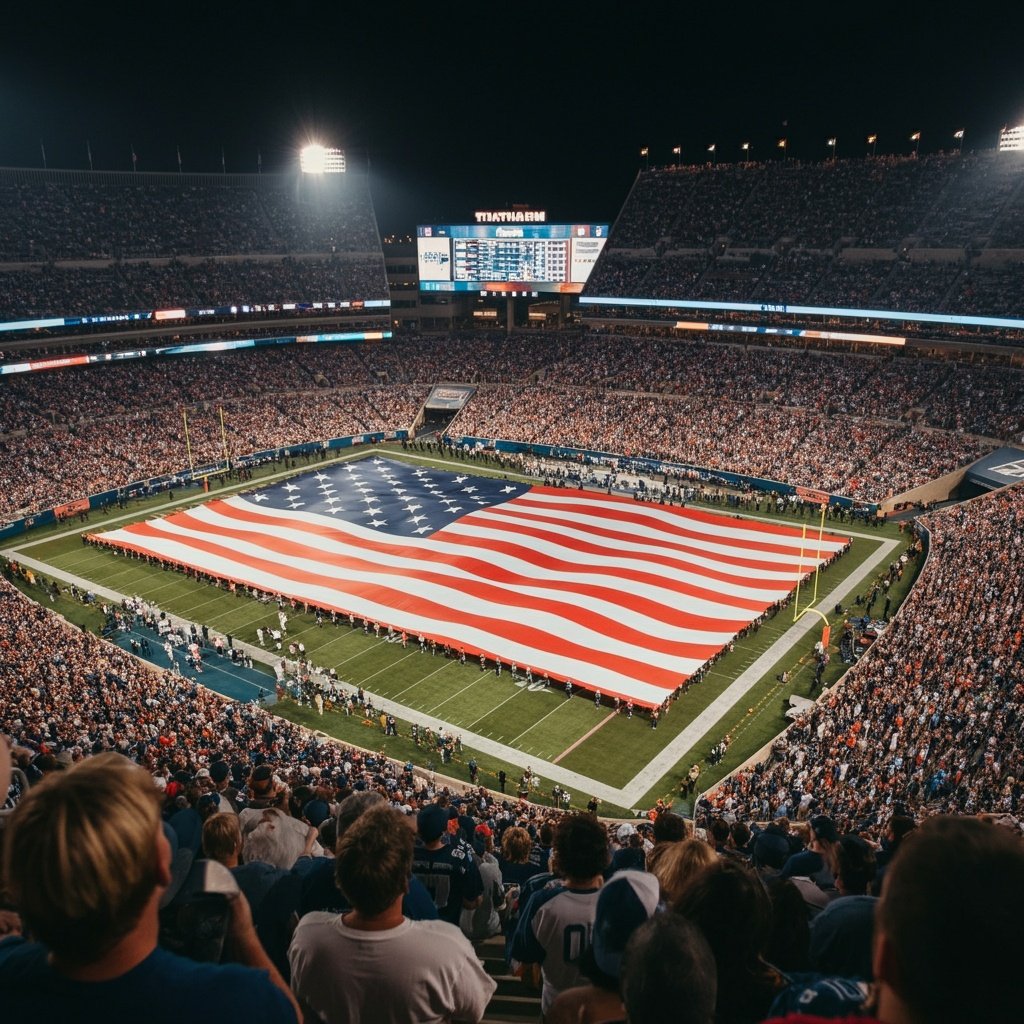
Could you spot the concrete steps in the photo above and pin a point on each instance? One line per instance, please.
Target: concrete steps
(514, 1001)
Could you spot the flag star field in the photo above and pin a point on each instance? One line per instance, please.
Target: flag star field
(620, 596)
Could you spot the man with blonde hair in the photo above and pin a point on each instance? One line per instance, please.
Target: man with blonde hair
(87, 862)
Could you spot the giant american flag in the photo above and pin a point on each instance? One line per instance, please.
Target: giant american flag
(620, 596)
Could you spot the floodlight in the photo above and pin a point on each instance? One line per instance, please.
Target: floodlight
(312, 158)
(318, 159)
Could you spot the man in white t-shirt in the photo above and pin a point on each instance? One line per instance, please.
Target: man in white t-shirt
(374, 965)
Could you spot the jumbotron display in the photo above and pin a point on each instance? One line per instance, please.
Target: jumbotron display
(508, 259)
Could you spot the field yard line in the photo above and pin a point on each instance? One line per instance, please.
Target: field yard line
(218, 597)
(457, 692)
(423, 679)
(586, 736)
(233, 611)
(386, 668)
(561, 704)
(495, 708)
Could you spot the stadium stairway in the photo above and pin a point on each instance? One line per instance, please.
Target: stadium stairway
(513, 1000)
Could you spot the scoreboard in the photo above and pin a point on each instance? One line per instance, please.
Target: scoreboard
(501, 259)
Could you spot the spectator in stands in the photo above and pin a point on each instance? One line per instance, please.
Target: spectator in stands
(679, 864)
(484, 920)
(319, 887)
(444, 863)
(372, 964)
(668, 973)
(841, 934)
(626, 901)
(728, 903)
(88, 865)
(555, 926)
(951, 869)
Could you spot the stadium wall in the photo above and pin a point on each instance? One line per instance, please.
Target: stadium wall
(935, 490)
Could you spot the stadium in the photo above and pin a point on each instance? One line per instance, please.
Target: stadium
(699, 520)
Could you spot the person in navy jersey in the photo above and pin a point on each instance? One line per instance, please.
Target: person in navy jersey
(445, 864)
(88, 863)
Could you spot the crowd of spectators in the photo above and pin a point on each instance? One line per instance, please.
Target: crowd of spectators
(830, 902)
(46, 468)
(941, 201)
(848, 455)
(166, 215)
(55, 290)
(897, 233)
(929, 719)
(354, 882)
(864, 426)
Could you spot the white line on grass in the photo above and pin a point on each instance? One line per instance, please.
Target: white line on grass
(423, 679)
(539, 720)
(586, 736)
(454, 695)
(386, 668)
(495, 708)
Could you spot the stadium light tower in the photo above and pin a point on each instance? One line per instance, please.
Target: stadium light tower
(747, 150)
(959, 136)
(832, 143)
(645, 152)
(318, 159)
(916, 140)
(677, 152)
(872, 142)
(782, 143)
(713, 150)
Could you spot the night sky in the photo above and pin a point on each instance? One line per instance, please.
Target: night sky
(457, 107)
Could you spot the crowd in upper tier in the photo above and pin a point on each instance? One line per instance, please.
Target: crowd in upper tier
(62, 216)
(944, 201)
(940, 234)
(46, 290)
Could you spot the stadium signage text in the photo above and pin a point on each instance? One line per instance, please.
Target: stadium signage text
(510, 216)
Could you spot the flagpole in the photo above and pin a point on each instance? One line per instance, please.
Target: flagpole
(88, 151)
(188, 444)
(42, 149)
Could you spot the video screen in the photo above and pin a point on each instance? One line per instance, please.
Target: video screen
(508, 259)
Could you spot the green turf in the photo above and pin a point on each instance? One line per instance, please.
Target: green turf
(539, 725)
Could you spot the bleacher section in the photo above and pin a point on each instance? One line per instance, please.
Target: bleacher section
(80, 244)
(939, 234)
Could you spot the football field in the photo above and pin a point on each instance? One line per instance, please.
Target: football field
(508, 723)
